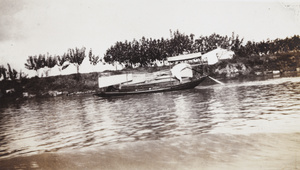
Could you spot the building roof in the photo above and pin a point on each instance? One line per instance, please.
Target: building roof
(184, 57)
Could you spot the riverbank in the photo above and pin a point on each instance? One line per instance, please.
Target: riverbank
(73, 84)
(76, 84)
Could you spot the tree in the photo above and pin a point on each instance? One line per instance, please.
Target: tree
(180, 43)
(12, 73)
(50, 61)
(41, 62)
(61, 60)
(3, 72)
(236, 43)
(36, 62)
(93, 59)
(32, 63)
(76, 56)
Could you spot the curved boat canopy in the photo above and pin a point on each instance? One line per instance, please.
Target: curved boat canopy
(182, 70)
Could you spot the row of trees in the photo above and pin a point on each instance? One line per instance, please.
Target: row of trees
(36, 62)
(270, 47)
(145, 51)
(73, 56)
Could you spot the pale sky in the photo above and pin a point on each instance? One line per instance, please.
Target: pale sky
(32, 27)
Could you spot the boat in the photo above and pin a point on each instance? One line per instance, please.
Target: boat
(182, 76)
(152, 87)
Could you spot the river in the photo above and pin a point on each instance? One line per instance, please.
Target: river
(241, 125)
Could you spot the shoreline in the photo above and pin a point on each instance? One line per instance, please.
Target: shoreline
(80, 84)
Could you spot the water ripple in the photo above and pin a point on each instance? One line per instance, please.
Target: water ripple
(52, 124)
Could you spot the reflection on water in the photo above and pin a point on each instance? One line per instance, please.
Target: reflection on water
(63, 123)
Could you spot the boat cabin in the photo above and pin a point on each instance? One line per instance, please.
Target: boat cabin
(193, 59)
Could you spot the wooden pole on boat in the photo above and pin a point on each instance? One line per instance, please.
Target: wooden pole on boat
(216, 80)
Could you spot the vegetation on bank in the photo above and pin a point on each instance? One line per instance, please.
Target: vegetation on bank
(50, 86)
(147, 51)
(143, 54)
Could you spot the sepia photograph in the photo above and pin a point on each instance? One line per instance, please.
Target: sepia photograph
(149, 84)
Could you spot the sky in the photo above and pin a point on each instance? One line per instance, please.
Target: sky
(32, 27)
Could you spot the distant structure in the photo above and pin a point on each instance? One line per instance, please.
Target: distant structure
(209, 58)
(69, 68)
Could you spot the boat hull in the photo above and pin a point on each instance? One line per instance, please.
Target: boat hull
(181, 86)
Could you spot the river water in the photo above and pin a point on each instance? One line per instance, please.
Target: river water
(241, 125)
